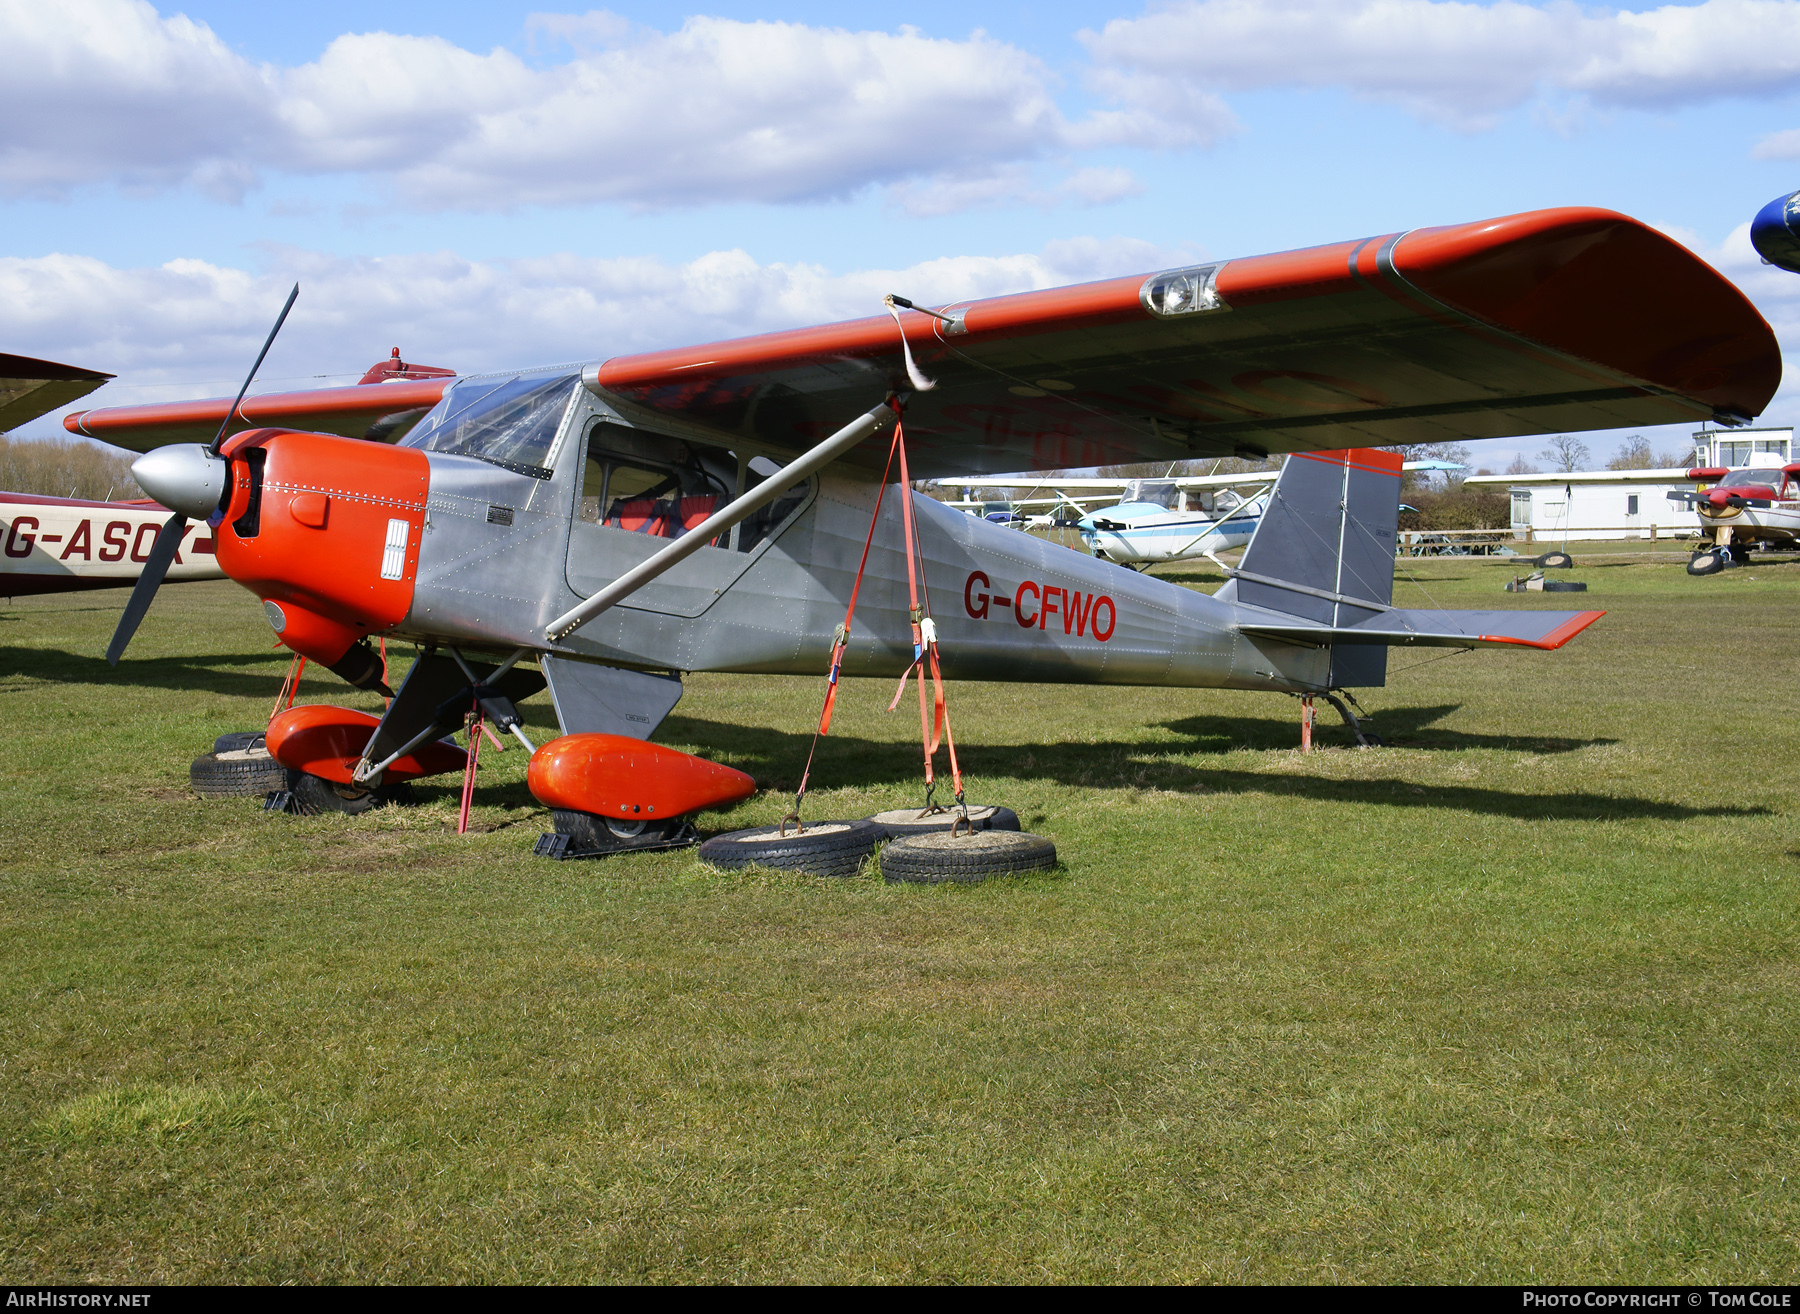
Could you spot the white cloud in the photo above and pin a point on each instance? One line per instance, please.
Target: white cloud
(1457, 62)
(108, 89)
(719, 110)
(1779, 146)
(1775, 292)
(1012, 185)
(190, 328)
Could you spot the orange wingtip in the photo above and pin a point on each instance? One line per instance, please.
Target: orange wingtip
(1557, 637)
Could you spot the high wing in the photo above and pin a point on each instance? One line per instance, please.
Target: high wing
(366, 410)
(30, 388)
(1029, 480)
(1563, 319)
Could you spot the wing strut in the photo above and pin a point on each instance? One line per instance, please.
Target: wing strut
(870, 422)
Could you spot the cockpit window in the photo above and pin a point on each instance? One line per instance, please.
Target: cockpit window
(1770, 479)
(509, 422)
(1154, 492)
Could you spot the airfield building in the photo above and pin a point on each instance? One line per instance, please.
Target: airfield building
(1625, 504)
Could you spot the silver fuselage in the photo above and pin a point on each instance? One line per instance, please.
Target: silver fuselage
(1007, 606)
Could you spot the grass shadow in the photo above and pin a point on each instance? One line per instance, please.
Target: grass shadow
(1399, 727)
(776, 758)
(199, 672)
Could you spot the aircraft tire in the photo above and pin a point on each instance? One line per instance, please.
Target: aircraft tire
(967, 859)
(237, 739)
(902, 822)
(314, 795)
(237, 773)
(1706, 562)
(595, 834)
(825, 848)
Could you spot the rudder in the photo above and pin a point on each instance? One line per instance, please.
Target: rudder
(1324, 550)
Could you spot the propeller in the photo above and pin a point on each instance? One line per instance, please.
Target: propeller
(189, 480)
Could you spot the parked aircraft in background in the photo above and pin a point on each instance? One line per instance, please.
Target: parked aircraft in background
(1175, 518)
(30, 388)
(707, 508)
(1741, 508)
(61, 544)
(1775, 232)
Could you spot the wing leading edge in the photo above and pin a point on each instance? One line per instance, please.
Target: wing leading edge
(1563, 319)
(1555, 319)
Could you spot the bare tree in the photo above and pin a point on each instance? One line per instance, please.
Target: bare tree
(1566, 452)
(1633, 454)
(1521, 466)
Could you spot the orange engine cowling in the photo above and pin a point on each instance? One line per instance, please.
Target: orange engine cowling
(328, 742)
(617, 776)
(326, 531)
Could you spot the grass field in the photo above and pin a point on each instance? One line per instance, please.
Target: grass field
(1513, 999)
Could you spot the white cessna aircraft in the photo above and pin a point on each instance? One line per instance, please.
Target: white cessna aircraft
(1175, 518)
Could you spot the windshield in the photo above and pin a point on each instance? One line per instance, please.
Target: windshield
(1770, 479)
(1153, 493)
(510, 422)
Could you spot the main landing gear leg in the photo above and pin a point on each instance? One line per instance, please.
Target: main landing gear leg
(1364, 738)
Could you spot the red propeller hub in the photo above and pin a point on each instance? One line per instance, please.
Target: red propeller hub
(326, 531)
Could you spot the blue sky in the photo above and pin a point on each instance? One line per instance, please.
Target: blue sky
(489, 185)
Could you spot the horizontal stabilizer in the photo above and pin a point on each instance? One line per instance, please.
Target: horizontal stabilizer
(1441, 629)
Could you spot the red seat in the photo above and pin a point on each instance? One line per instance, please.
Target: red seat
(642, 515)
(693, 511)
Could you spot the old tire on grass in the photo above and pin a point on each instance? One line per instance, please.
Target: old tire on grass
(237, 773)
(314, 795)
(1706, 562)
(237, 739)
(825, 848)
(967, 859)
(902, 822)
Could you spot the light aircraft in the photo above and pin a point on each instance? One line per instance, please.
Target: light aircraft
(1151, 520)
(61, 544)
(721, 507)
(1175, 518)
(30, 388)
(65, 544)
(1740, 508)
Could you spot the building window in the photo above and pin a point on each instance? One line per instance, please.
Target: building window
(1631, 504)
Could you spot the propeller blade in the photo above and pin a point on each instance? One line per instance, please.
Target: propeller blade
(219, 440)
(168, 539)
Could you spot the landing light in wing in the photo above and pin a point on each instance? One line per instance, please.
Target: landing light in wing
(1183, 292)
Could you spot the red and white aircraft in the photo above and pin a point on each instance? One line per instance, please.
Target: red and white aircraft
(722, 507)
(1740, 508)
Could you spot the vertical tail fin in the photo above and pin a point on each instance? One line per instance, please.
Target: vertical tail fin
(1324, 550)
